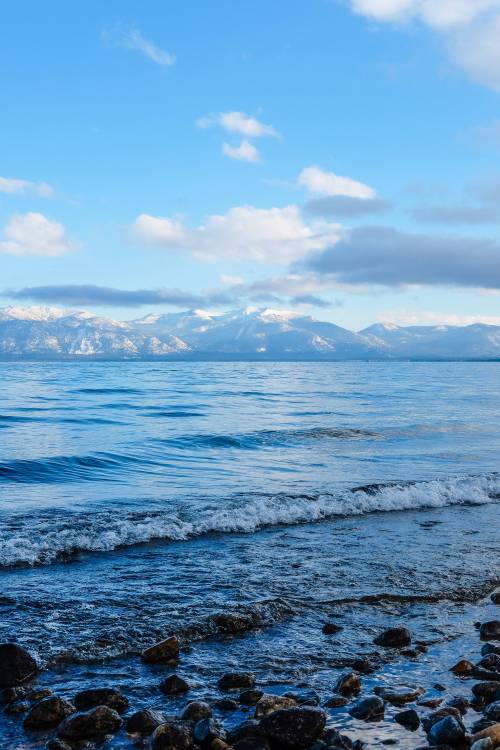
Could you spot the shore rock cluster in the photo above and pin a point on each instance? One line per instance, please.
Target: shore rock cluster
(292, 721)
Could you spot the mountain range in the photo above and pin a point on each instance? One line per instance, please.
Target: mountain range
(253, 333)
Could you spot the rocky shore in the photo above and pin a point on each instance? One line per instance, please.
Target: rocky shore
(243, 715)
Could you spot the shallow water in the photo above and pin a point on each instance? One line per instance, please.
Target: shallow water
(137, 499)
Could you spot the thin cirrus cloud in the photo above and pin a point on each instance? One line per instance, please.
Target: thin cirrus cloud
(387, 257)
(246, 151)
(276, 236)
(35, 234)
(13, 186)
(469, 29)
(132, 39)
(238, 122)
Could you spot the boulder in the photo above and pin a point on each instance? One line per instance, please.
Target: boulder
(101, 697)
(16, 665)
(162, 652)
(447, 731)
(492, 732)
(195, 711)
(90, 725)
(442, 713)
(490, 631)
(462, 667)
(144, 721)
(250, 697)
(174, 685)
(488, 692)
(408, 719)
(490, 662)
(291, 728)
(269, 703)
(233, 680)
(226, 704)
(459, 702)
(206, 731)
(171, 736)
(396, 637)
(368, 709)
(348, 684)
(48, 713)
(37, 694)
(399, 697)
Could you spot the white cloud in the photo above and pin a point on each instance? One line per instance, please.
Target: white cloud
(13, 186)
(327, 183)
(428, 317)
(470, 29)
(34, 234)
(132, 39)
(238, 122)
(245, 233)
(246, 151)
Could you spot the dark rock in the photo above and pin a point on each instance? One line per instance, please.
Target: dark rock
(226, 704)
(482, 724)
(8, 695)
(462, 667)
(490, 631)
(16, 707)
(37, 694)
(492, 712)
(333, 738)
(144, 721)
(269, 703)
(430, 702)
(429, 721)
(90, 725)
(411, 653)
(252, 743)
(249, 728)
(294, 727)
(330, 628)
(460, 703)
(490, 662)
(233, 623)
(304, 696)
(162, 652)
(447, 731)
(394, 637)
(488, 692)
(16, 665)
(101, 697)
(363, 665)
(56, 744)
(495, 597)
(174, 685)
(399, 697)
(171, 736)
(195, 711)
(348, 684)
(233, 680)
(48, 713)
(207, 730)
(408, 719)
(250, 697)
(336, 701)
(368, 709)
(490, 648)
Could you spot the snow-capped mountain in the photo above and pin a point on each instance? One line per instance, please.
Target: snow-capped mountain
(253, 333)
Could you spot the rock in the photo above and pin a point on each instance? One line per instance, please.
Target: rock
(430, 702)
(8, 695)
(16, 665)
(447, 731)
(37, 694)
(490, 631)
(252, 743)
(219, 744)
(408, 719)
(488, 692)
(484, 744)
(291, 728)
(429, 721)
(336, 701)
(174, 685)
(249, 728)
(90, 725)
(493, 732)
(162, 652)
(171, 736)
(56, 744)
(460, 703)
(304, 696)
(233, 623)
(490, 648)
(363, 665)
(195, 711)
(348, 685)
(394, 637)
(492, 712)
(233, 680)
(226, 704)
(48, 713)
(269, 703)
(330, 628)
(462, 667)
(399, 697)
(332, 738)
(495, 597)
(101, 697)
(368, 709)
(490, 662)
(144, 721)
(16, 707)
(250, 697)
(207, 730)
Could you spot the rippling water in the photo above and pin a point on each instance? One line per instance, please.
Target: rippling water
(141, 498)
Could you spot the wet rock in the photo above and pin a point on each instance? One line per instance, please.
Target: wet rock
(460, 703)
(348, 684)
(304, 696)
(484, 744)
(462, 667)
(447, 731)
(162, 652)
(233, 623)
(492, 712)
(144, 721)
(16, 707)
(408, 719)
(249, 728)
(429, 721)
(171, 736)
(269, 703)
(363, 665)
(333, 738)
(330, 628)
(48, 712)
(250, 697)
(368, 709)
(490, 631)
(101, 697)
(399, 697)
(252, 743)
(196, 711)
(488, 692)
(336, 701)
(490, 648)
(219, 744)
(55, 744)
(495, 597)
(16, 665)
(174, 685)
(493, 733)
(478, 726)
(37, 694)
(233, 680)
(490, 662)
(430, 702)
(291, 728)
(8, 695)
(226, 704)
(207, 730)
(397, 637)
(90, 725)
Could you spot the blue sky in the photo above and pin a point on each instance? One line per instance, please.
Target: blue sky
(340, 157)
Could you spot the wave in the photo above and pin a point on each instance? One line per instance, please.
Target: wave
(60, 469)
(47, 539)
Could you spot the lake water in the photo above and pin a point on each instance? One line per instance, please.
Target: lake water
(140, 499)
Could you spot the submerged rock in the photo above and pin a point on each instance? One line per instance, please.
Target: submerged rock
(396, 637)
(162, 652)
(48, 713)
(233, 680)
(90, 725)
(291, 728)
(174, 685)
(408, 719)
(233, 623)
(172, 736)
(368, 709)
(16, 665)
(348, 684)
(101, 697)
(144, 721)
(17, 707)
